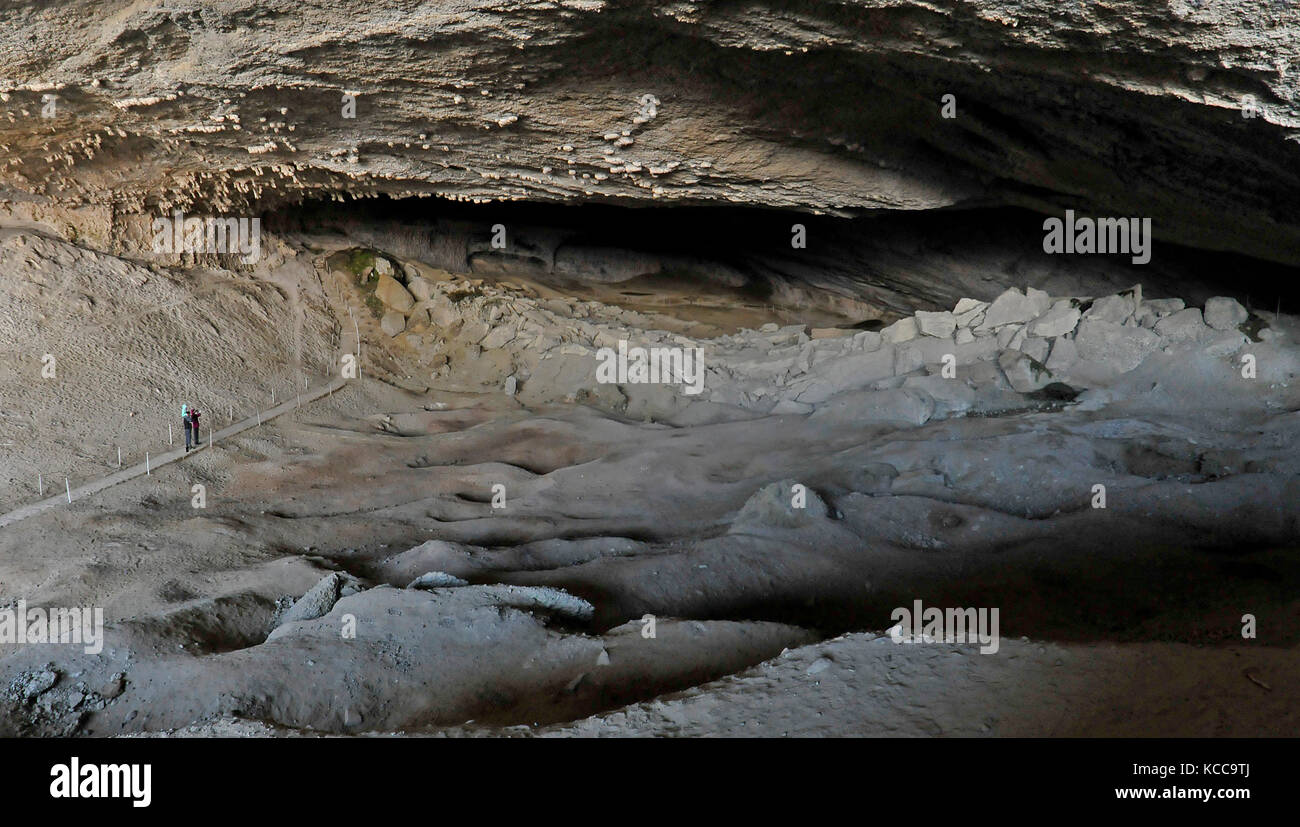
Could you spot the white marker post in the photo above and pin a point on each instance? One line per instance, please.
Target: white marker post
(356, 328)
(146, 463)
(40, 486)
(169, 433)
(119, 456)
(68, 486)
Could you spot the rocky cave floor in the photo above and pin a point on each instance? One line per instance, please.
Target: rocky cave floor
(499, 530)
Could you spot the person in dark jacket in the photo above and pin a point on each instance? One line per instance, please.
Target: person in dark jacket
(194, 421)
(185, 420)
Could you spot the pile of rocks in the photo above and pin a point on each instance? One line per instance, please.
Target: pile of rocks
(1019, 343)
(1022, 341)
(468, 330)
(56, 701)
(398, 290)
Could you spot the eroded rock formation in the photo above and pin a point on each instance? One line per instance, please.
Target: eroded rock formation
(1125, 107)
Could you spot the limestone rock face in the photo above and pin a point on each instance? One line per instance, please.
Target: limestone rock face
(680, 103)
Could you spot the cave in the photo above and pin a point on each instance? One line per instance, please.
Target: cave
(742, 368)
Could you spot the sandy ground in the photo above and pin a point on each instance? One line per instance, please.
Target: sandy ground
(127, 343)
(767, 620)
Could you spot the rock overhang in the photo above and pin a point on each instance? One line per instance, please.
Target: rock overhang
(814, 107)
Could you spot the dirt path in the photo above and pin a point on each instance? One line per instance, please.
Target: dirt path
(141, 469)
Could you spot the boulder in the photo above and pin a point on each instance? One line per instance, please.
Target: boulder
(442, 313)
(1112, 345)
(1039, 299)
(1064, 353)
(418, 321)
(318, 600)
(419, 288)
(1111, 309)
(1023, 373)
(36, 682)
(940, 324)
(1012, 307)
(1005, 334)
(1163, 307)
(391, 292)
(393, 323)
(498, 337)
(1035, 348)
(1058, 321)
(969, 312)
(1223, 313)
(1183, 326)
(902, 330)
(474, 331)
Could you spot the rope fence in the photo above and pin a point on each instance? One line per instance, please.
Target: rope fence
(281, 391)
(285, 395)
